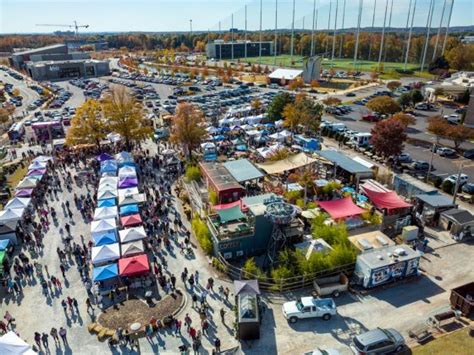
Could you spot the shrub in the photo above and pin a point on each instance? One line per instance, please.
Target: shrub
(448, 187)
(203, 235)
(192, 173)
(311, 205)
(213, 198)
(372, 218)
(292, 196)
(250, 270)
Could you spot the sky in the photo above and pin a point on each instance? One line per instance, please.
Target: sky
(22, 16)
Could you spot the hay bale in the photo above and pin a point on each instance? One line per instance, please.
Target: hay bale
(91, 327)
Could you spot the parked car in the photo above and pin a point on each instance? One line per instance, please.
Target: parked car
(309, 307)
(371, 117)
(469, 154)
(420, 165)
(404, 158)
(463, 178)
(453, 118)
(320, 351)
(446, 152)
(332, 285)
(350, 94)
(468, 188)
(378, 341)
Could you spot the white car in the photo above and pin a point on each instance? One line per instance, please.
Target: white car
(462, 179)
(309, 307)
(453, 118)
(328, 351)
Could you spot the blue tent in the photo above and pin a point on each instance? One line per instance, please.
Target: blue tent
(107, 202)
(218, 138)
(102, 273)
(4, 244)
(129, 209)
(126, 163)
(107, 237)
(108, 166)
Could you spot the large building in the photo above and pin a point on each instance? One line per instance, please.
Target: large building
(55, 62)
(228, 50)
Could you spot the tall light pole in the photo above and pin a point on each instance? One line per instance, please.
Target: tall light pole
(220, 44)
(356, 49)
(232, 36)
(427, 41)
(389, 25)
(439, 31)
(372, 33)
(302, 35)
(313, 28)
(260, 36)
(447, 28)
(276, 34)
(335, 32)
(292, 33)
(458, 180)
(245, 32)
(329, 27)
(383, 34)
(342, 27)
(406, 28)
(409, 35)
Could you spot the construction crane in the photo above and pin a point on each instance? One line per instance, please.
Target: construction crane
(75, 26)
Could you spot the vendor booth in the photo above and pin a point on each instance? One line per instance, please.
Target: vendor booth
(105, 253)
(11, 343)
(131, 234)
(18, 202)
(131, 199)
(105, 213)
(103, 238)
(128, 210)
(134, 266)
(105, 272)
(132, 248)
(131, 221)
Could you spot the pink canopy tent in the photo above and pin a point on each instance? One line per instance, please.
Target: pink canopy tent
(225, 206)
(389, 200)
(341, 208)
(132, 220)
(23, 192)
(127, 182)
(134, 266)
(36, 172)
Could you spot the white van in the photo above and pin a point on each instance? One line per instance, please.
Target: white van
(361, 139)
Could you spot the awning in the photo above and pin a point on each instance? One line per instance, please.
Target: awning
(105, 253)
(389, 200)
(130, 221)
(230, 214)
(108, 202)
(105, 212)
(224, 206)
(103, 238)
(134, 266)
(293, 162)
(102, 273)
(132, 248)
(341, 208)
(131, 234)
(128, 209)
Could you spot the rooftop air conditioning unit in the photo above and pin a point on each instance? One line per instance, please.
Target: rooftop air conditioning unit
(400, 252)
(365, 244)
(382, 240)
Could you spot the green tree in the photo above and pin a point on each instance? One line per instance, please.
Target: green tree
(384, 105)
(393, 85)
(192, 173)
(276, 107)
(404, 100)
(416, 96)
(250, 270)
(125, 117)
(310, 113)
(88, 126)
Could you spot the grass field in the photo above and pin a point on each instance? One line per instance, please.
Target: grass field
(456, 343)
(342, 64)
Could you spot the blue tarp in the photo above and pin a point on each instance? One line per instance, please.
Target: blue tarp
(4, 244)
(129, 209)
(108, 202)
(101, 273)
(108, 237)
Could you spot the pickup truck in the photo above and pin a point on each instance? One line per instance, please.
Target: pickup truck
(309, 307)
(332, 285)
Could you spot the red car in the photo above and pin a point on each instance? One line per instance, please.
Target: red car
(371, 117)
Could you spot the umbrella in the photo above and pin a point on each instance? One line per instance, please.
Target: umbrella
(102, 273)
(23, 192)
(108, 202)
(128, 210)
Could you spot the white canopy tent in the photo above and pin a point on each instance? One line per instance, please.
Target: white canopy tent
(131, 199)
(105, 213)
(106, 194)
(265, 152)
(11, 214)
(127, 171)
(131, 234)
(43, 158)
(37, 165)
(128, 191)
(27, 183)
(12, 344)
(132, 248)
(18, 202)
(103, 225)
(107, 187)
(110, 180)
(280, 136)
(105, 253)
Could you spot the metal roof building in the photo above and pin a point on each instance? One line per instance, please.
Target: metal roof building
(286, 74)
(243, 170)
(345, 163)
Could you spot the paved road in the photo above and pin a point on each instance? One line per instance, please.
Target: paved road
(28, 94)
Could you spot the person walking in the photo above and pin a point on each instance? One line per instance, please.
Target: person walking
(195, 299)
(54, 334)
(89, 304)
(217, 344)
(187, 320)
(44, 340)
(178, 327)
(222, 313)
(63, 335)
(38, 339)
(192, 333)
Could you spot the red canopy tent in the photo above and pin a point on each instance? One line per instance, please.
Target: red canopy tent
(224, 206)
(132, 220)
(134, 266)
(341, 208)
(389, 200)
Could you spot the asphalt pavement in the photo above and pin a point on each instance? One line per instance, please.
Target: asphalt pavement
(28, 94)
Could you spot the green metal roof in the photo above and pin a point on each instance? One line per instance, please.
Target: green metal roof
(243, 170)
(230, 214)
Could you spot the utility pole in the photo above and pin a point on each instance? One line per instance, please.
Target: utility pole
(406, 28)
(312, 29)
(456, 187)
(447, 28)
(389, 25)
(245, 33)
(292, 33)
(220, 44)
(335, 33)
(329, 27)
(430, 167)
(409, 35)
(232, 36)
(383, 34)
(276, 34)
(427, 41)
(356, 49)
(372, 33)
(260, 36)
(342, 27)
(439, 31)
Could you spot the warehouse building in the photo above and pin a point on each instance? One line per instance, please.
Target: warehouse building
(228, 50)
(19, 59)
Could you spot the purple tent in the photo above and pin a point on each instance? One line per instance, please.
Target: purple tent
(36, 172)
(127, 181)
(24, 192)
(104, 156)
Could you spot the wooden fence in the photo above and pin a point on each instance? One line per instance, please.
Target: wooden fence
(269, 284)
